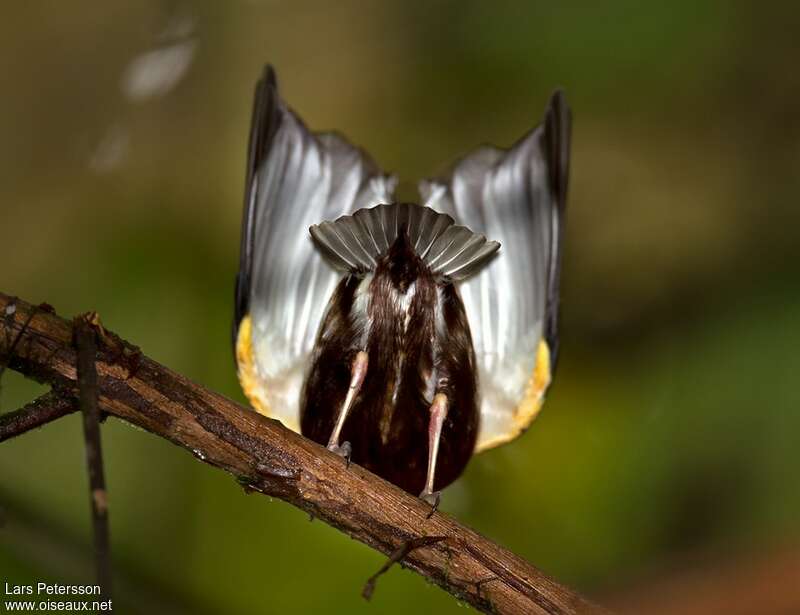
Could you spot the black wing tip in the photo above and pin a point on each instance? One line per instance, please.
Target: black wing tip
(558, 108)
(269, 77)
(557, 129)
(558, 116)
(263, 124)
(558, 99)
(557, 136)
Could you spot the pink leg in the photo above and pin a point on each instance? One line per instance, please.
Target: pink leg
(358, 371)
(438, 412)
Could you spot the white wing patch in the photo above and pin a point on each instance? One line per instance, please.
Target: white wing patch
(299, 179)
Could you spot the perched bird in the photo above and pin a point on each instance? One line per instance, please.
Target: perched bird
(397, 334)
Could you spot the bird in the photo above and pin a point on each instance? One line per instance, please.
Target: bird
(405, 337)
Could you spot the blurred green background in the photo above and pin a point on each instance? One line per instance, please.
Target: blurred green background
(670, 442)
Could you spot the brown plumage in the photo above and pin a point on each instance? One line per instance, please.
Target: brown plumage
(414, 329)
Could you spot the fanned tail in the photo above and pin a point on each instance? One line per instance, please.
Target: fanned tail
(355, 242)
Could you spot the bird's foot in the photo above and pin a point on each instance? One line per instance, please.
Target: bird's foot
(433, 498)
(343, 450)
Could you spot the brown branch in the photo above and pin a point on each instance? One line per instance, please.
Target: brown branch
(268, 458)
(86, 343)
(40, 411)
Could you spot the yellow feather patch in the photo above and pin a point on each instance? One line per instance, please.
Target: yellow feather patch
(530, 405)
(248, 377)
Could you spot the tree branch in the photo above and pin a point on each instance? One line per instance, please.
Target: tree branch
(40, 411)
(86, 343)
(268, 458)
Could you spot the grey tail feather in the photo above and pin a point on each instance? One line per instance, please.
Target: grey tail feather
(356, 242)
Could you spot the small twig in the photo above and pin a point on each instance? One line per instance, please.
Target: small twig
(406, 547)
(40, 411)
(86, 342)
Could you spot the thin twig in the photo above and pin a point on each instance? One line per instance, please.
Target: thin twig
(40, 411)
(406, 547)
(85, 340)
(267, 458)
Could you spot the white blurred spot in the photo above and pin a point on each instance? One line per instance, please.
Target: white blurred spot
(111, 151)
(156, 72)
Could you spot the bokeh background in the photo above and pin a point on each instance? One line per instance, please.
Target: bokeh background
(662, 475)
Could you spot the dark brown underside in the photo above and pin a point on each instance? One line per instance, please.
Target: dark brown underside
(388, 423)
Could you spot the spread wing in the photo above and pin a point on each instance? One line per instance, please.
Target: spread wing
(517, 197)
(294, 179)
